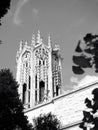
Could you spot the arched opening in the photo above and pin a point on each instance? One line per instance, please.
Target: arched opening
(29, 88)
(36, 88)
(24, 93)
(29, 82)
(57, 90)
(41, 91)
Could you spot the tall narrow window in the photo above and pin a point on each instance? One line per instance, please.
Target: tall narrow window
(24, 93)
(39, 62)
(29, 96)
(36, 96)
(36, 88)
(57, 90)
(29, 81)
(43, 62)
(53, 86)
(26, 64)
(36, 81)
(41, 91)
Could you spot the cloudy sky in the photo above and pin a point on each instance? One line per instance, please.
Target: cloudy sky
(66, 21)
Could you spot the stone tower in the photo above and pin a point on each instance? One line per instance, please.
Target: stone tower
(38, 71)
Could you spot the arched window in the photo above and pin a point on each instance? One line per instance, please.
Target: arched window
(41, 91)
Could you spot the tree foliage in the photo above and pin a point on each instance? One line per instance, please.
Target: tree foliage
(47, 122)
(90, 116)
(4, 7)
(86, 54)
(11, 108)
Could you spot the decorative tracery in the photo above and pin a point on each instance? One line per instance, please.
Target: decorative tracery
(39, 69)
(26, 78)
(56, 73)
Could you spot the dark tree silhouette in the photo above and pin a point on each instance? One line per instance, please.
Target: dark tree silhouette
(11, 108)
(4, 7)
(86, 57)
(90, 118)
(47, 122)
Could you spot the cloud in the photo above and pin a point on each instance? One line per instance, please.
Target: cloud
(35, 11)
(74, 80)
(75, 83)
(20, 4)
(85, 81)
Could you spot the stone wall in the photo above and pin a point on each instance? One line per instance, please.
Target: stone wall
(68, 107)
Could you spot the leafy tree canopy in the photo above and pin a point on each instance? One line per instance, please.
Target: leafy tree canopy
(4, 7)
(47, 122)
(11, 108)
(86, 54)
(90, 118)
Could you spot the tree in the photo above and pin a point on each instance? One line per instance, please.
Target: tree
(86, 54)
(11, 108)
(47, 122)
(91, 115)
(4, 7)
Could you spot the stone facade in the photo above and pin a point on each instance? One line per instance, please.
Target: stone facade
(67, 107)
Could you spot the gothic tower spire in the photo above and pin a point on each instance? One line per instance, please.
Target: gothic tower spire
(33, 40)
(21, 46)
(49, 41)
(38, 37)
(38, 72)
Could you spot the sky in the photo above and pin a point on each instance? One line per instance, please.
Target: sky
(67, 21)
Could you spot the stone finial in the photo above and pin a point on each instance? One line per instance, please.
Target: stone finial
(56, 47)
(41, 41)
(49, 41)
(21, 46)
(38, 37)
(17, 56)
(26, 43)
(33, 40)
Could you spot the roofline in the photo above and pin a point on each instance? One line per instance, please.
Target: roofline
(61, 96)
